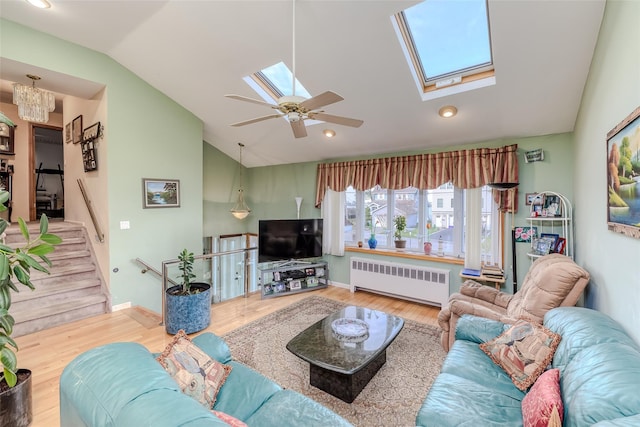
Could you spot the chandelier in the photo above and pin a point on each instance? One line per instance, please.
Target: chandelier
(34, 105)
(240, 210)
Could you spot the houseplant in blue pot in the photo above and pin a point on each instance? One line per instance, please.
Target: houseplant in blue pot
(188, 304)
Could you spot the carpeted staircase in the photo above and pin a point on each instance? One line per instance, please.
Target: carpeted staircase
(74, 290)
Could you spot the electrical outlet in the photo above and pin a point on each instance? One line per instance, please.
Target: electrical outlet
(125, 225)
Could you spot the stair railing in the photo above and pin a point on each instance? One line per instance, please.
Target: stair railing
(92, 214)
(165, 271)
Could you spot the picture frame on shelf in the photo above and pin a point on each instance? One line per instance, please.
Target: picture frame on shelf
(295, 285)
(76, 129)
(529, 198)
(553, 240)
(160, 193)
(541, 246)
(552, 206)
(623, 204)
(560, 246)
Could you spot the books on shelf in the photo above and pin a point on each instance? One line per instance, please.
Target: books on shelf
(492, 271)
(471, 272)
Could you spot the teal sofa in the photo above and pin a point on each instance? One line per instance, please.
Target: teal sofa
(121, 384)
(599, 375)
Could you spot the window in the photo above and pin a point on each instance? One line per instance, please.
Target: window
(372, 212)
(274, 82)
(447, 43)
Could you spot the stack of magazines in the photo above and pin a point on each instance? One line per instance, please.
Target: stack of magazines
(492, 271)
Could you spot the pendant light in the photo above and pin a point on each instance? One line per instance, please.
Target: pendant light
(240, 210)
(34, 104)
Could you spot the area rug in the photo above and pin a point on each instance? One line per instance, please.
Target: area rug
(394, 395)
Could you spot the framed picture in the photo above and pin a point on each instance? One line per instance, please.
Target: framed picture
(160, 193)
(529, 198)
(295, 284)
(76, 129)
(560, 245)
(525, 234)
(623, 176)
(67, 133)
(541, 246)
(89, 159)
(92, 132)
(552, 238)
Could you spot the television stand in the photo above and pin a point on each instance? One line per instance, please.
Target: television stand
(292, 277)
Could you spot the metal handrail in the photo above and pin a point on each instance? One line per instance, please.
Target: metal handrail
(166, 264)
(147, 267)
(92, 214)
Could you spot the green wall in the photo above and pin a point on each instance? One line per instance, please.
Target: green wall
(150, 136)
(611, 94)
(271, 191)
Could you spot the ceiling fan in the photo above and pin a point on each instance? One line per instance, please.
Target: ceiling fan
(297, 109)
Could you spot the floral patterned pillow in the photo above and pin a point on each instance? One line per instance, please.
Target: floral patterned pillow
(524, 351)
(197, 374)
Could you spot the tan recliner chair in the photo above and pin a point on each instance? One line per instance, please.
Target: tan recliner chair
(552, 281)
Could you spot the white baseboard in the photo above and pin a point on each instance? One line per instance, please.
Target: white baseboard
(121, 306)
(339, 285)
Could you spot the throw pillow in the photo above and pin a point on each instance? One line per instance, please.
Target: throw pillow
(229, 419)
(523, 351)
(542, 406)
(197, 374)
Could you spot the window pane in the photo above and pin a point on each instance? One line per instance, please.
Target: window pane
(375, 213)
(449, 36)
(350, 217)
(406, 204)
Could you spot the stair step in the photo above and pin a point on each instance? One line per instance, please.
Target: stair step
(63, 270)
(48, 316)
(65, 288)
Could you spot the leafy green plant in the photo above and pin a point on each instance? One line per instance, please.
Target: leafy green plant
(16, 265)
(185, 266)
(400, 224)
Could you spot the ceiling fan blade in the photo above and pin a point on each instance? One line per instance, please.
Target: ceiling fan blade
(253, 101)
(321, 100)
(256, 120)
(298, 128)
(339, 120)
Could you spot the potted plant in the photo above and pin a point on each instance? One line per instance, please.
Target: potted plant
(15, 267)
(188, 304)
(400, 224)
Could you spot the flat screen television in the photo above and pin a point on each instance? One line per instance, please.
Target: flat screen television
(287, 239)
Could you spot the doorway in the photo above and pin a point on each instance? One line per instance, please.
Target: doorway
(49, 174)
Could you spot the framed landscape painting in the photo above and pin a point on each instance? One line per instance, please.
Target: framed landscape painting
(161, 193)
(623, 176)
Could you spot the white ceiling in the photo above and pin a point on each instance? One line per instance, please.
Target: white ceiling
(197, 51)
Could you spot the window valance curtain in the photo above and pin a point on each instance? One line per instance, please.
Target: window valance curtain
(464, 168)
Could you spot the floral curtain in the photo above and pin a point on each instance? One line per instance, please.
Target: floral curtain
(464, 168)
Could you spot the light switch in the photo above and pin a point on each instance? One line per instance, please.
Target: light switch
(124, 225)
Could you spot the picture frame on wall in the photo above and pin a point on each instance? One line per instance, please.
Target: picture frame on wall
(67, 133)
(160, 193)
(76, 129)
(91, 132)
(623, 176)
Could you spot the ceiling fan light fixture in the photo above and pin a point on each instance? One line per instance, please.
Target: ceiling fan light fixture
(447, 111)
(240, 210)
(329, 133)
(40, 4)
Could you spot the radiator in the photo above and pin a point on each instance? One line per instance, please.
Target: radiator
(422, 284)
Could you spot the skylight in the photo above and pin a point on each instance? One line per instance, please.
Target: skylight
(447, 42)
(277, 80)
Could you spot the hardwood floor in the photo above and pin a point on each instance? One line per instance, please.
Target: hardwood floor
(47, 352)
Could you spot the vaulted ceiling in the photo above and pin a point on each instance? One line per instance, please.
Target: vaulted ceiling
(197, 51)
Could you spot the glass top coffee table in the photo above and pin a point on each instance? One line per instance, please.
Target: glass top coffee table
(346, 349)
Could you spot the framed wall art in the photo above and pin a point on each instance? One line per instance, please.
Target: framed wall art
(91, 132)
(67, 133)
(76, 129)
(623, 176)
(160, 193)
(89, 159)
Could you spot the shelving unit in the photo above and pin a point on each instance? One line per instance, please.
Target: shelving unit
(292, 277)
(551, 213)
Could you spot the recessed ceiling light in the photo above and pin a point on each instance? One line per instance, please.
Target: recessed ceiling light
(41, 4)
(329, 133)
(448, 111)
